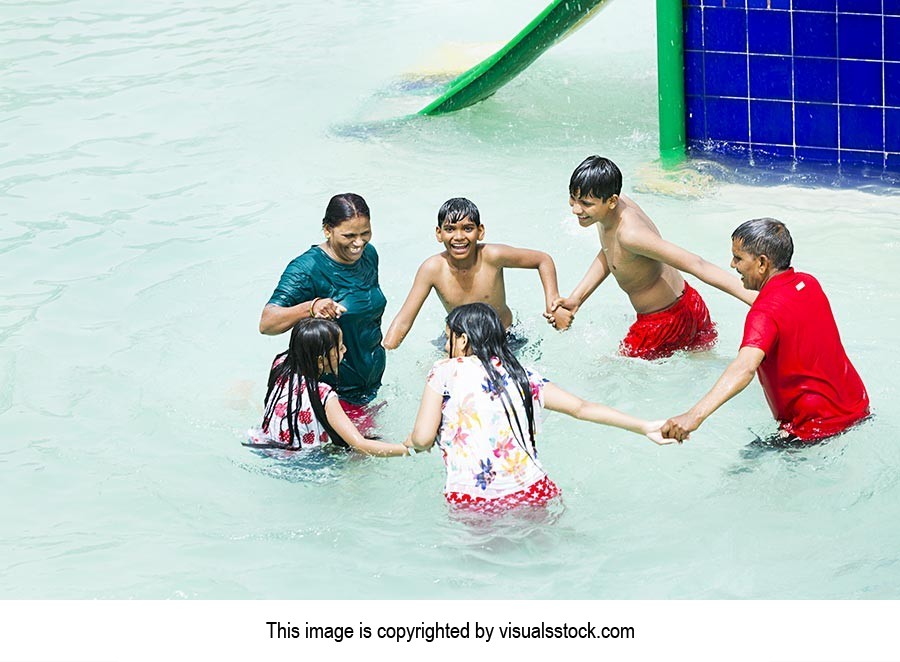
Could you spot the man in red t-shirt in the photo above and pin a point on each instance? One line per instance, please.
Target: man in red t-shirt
(792, 342)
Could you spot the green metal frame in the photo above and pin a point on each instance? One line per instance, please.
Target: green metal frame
(670, 74)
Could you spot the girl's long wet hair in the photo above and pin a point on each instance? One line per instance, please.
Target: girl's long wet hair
(487, 339)
(312, 339)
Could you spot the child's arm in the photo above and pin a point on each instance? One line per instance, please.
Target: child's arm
(642, 241)
(596, 274)
(419, 291)
(428, 420)
(524, 258)
(339, 420)
(559, 400)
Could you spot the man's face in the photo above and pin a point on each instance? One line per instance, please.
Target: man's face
(591, 210)
(460, 237)
(750, 267)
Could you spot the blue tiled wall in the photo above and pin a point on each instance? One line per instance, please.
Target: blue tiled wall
(811, 80)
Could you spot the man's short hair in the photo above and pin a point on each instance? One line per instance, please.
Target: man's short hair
(456, 209)
(596, 176)
(769, 237)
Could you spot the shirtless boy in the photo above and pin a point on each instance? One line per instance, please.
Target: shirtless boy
(468, 272)
(671, 314)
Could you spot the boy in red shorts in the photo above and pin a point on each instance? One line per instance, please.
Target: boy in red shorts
(791, 340)
(671, 314)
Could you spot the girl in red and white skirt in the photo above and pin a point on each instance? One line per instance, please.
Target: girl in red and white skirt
(482, 408)
(302, 413)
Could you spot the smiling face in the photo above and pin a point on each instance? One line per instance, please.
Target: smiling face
(753, 269)
(347, 240)
(460, 237)
(591, 210)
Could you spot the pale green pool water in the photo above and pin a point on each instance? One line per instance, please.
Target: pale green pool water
(158, 168)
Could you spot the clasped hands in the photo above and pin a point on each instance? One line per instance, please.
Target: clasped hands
(560, 316)
(561, 313)
(680, 427)
(674, 430)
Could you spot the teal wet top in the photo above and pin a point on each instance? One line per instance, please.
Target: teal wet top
(354, 286)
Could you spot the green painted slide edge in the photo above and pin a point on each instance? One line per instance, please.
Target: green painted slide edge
(489, 75)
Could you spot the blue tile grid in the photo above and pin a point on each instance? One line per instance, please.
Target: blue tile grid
(805, 79)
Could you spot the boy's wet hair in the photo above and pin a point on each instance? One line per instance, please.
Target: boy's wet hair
(457, 209)
(343, 207)
(596, 176)
(766, 236)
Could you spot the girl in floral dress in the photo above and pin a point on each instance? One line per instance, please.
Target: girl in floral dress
(481, 408)
(301, 412)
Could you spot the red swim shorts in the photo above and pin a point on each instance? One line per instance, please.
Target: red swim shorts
(539, 494)
(683, 325)
(363, 416)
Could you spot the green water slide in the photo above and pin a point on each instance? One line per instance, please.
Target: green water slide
(558, 20)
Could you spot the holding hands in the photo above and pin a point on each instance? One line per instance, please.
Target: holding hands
(654, 433)
(680, 427)
(561, 313)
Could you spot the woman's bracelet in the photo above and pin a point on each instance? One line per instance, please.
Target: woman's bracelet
(312, 306)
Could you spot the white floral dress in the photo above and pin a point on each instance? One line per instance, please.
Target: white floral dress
(485, 459)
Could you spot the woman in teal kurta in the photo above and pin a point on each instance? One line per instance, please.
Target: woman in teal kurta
(338, 279)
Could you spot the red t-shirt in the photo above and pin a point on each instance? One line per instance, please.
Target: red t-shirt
(812, 388)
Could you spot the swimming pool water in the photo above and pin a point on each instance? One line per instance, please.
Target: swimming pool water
(160, 165)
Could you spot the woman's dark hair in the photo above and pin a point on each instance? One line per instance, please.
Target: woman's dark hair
(487, 339)
(343, 207)
(311, 340)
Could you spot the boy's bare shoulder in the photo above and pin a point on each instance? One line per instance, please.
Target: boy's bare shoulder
(494, 252)
(631, 225)
(636, 226)
(429, 272)
(433, 266)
